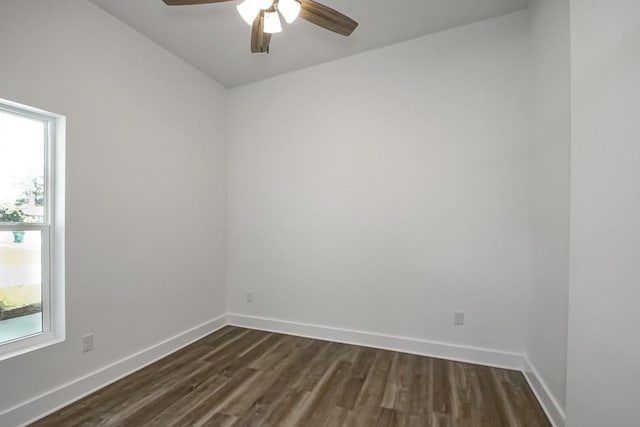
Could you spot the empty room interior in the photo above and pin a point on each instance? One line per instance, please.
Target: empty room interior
(319, 213)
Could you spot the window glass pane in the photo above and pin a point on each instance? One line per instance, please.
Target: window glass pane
(20, 284)
(22, 154)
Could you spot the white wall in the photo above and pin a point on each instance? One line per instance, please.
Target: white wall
(145, 184)
(550, 160)
(384, 191)
(604, 340)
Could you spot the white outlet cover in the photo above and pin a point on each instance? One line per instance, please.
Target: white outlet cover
(458, 318)
(87, 343)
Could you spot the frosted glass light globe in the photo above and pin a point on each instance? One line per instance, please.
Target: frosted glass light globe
(272, 23)
(290, 9)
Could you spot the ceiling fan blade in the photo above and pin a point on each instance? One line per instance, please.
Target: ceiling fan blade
(259, 39)
(190, 2)
(326, 17)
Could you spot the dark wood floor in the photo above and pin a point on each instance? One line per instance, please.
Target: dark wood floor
(242, 377)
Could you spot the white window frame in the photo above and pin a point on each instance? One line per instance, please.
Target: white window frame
(52, 229)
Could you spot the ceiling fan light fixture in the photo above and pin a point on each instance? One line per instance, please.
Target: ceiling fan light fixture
(290, 9)
(272, 22)
(249, 10)
(264, 17)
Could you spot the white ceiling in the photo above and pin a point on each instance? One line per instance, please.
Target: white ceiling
(214, 39)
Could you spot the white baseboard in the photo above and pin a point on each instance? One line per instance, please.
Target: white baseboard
(480, 356)
(59, 397)
(49, 402)
(549, 403)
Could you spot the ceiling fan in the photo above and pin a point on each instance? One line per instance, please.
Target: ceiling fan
(264, 17)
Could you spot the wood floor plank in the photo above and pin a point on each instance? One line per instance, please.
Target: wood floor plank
(301, 413)
(461, 398)
(248, 378)
(181, 407)
(529, 406)
(147, 407)
(253, 391)
(317, 366)
(420, 400)
(202, 413)
(328, 396)
(233, 347)
(220, 420)
(361, 366)
(401, 376)
(495, 413)
(264, 407)
(270, 359)
(230, 364)
(370, 398)
(441, 386)
(393, 384)
(521, 410)
(394, 418)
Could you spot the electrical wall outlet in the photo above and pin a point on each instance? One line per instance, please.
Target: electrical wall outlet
(87, 343)
(458, 318)
(249, 296)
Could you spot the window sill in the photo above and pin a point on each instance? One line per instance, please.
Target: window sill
(27, 345)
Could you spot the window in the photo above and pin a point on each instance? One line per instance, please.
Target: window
(31, 232)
